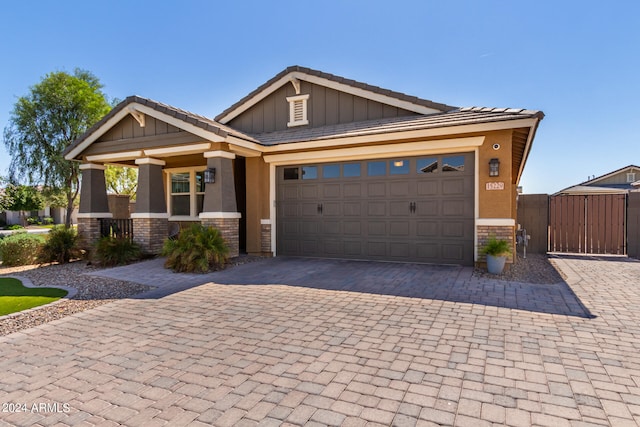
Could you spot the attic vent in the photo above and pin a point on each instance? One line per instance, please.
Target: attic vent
(631, 177)
(298, 110)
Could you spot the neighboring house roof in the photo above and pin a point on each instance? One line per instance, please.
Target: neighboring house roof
(408, 102)
(458, 117)
(599, 185)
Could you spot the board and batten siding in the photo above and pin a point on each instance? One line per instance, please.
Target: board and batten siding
(326, 106)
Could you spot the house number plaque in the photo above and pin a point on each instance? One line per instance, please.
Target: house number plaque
(495, 186)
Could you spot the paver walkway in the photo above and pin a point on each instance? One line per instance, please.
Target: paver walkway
(280, 354)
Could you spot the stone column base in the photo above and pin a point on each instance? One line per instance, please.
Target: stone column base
(229, 228)
(88, 233)
(265, 239)
(150, 233)
(501, 232)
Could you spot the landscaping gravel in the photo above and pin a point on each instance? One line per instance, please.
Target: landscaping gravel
(535, 268)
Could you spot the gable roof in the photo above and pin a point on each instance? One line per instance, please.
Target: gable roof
(607, 175)
(397, 99)
(191, 122)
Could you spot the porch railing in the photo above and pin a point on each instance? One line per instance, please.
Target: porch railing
(120, 228)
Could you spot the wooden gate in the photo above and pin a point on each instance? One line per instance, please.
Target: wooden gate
(588, 224)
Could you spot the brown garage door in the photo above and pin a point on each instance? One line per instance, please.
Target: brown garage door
(416, 209)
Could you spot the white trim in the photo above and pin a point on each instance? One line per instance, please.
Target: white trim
(272, 205)
(86, 166)
(200, 168)
(454, 145)
(95, 215)
(219, 153)
(138, 116)
(97, 134)
(242, 148)
(179, 150)
(216, 215)
(476, 201)
(265, 221)
(326, 83)
(293, 101)
(150, 161)
(112, 157)
(185, 218)
(147, 215)
(496, 222)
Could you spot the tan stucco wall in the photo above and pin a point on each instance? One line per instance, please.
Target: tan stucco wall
(257, 201)
(496, 203)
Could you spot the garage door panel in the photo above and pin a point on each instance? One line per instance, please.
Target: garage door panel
(424, 213)
(352, 209)
(331, 227)
(376, 189)
(400, 189)
(377, 208)
(377, 249)
(427, 208)
(309, 192)
(427, 228)
(427, 187)
(454, 207)
(399, 228)
(399, 250)
(331, 191)
(352, 189)
(352, 228)
(377, 228)
(451, 187)
(330, 209)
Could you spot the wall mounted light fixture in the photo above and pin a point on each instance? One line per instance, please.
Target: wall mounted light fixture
(210, 176)
(494, 167)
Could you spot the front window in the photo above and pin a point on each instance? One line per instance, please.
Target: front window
(187, 193)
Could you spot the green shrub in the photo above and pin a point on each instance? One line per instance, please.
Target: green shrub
(14, 227)
(47, 220)
(496, 247)
(111, 251)
(61, 245)
(33, 220)
(20, 249)
(197, 248)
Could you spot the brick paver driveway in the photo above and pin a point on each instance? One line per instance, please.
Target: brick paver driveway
(357, 353)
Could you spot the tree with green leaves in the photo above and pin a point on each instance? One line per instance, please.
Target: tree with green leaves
(21, 198)
(121, 180)
(43, 123)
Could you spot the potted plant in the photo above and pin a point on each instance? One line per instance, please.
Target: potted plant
(496, 251)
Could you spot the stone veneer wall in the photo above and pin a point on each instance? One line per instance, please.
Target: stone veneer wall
(150, 233)
(265, 239)
(88, 232)
(500, 232)
(229, 228)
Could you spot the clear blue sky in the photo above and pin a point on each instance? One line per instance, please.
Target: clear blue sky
(578, 61)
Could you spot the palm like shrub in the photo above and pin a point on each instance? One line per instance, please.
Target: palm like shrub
(112, 251)
(61, 245)
(197, 249)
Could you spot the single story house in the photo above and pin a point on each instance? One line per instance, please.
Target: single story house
(313, 164)
(620, 181)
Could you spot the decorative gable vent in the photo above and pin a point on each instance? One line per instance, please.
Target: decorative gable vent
(631, 177)
(298, 110)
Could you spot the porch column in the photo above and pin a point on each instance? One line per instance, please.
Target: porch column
(220, 208)
(151, 220)
(94, 204)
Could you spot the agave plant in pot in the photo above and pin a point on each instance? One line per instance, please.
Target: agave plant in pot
(497, 251)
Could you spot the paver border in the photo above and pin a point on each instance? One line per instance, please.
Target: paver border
(71, 292)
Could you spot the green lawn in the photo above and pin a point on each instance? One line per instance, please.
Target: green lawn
(14, 297)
